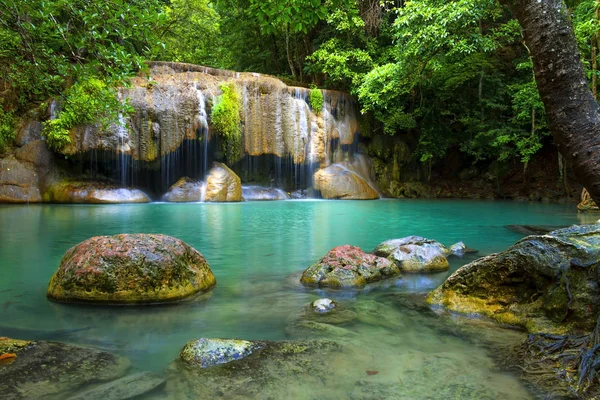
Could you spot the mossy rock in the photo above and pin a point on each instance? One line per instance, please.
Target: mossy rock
(51, 370)
(266, 371)
(546, 283)
(348, 267)
(130, 269)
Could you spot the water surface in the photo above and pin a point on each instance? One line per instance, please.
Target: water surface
(256, 251)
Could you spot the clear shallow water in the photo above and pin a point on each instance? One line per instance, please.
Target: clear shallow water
(256, 251)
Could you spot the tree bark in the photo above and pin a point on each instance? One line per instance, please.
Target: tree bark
(573, 113)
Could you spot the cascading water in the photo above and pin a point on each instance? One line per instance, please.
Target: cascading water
(284, 142)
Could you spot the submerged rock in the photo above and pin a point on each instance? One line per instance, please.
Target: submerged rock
(130, 269)
(533, 229)
(222, 184)
(417, 254)
(184, 190)
(546, 283)
(261, 374)
(50, 370)
(323, 305)
(124, 388)
(339, 182)
(256, 193)
(348, 267)
(326, 311)
(311, 329)
(93, 193)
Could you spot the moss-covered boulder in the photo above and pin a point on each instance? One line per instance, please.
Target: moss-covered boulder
(74, 192)
(50, 370)
(222, 184)
(184, 190)
(546, 283)
(252, 369)
(130, 269)
(418, 254)
(348, 267)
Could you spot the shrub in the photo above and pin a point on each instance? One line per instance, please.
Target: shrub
(225, 118)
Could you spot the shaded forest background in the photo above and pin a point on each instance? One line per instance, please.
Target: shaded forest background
(452, 80)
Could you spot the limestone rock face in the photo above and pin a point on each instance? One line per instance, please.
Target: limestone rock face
(338, 182)
(184, 190)
(258, 193)
(50, 370)
(259, 373)
(348, 267)
(174, 105)
(545, 283)
(93, 193)
(18, 182)
(130, 269)
(24, 175)
(222, 184)
(416, 254)
(587, 204)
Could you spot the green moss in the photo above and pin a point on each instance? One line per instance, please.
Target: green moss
(225, 118)
(316, 99)
(86, 102)
(7, 127)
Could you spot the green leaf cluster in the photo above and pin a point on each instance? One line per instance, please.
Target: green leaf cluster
(315, 99)
(226, 120)
(7, 127)
(89, 101)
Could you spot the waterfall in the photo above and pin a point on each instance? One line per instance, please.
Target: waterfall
(168, 135)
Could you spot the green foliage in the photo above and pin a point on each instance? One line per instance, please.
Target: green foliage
(7, 127)
(86, 102)
(225, 117)
(45, 45)
(315, 98)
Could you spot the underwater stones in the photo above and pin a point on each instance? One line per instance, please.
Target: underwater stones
(416, 254)
(258, 193)
(205, 352)
(307, 329)
(293, 365)
(130, 269)
(50, 370)
(348, 267)
(222, 184)
(545, 283)
(328, 312)
(184, 190)
(337, 182)
(75, 192)
(123, 388)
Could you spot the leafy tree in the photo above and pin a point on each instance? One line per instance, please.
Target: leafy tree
(225, 117)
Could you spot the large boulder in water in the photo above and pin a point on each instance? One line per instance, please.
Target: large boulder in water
(546, 283)
(18, 182)
(184, 190)
(259, 193)
(222, 184)
(338, 182)
(75, 192)
(236, 369)
(348, 267)
(130, 269)
(418, 254)
(50, 370)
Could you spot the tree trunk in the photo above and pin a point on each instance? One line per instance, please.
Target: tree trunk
(573, 113)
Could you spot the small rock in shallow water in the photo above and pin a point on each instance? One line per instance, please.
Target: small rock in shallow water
(458, 249)
(323, 305)
(208, 352)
